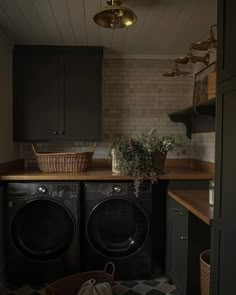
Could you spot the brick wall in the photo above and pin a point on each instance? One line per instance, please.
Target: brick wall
(136, 98)
(203, 146)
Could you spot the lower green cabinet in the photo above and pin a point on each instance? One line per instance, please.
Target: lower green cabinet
(177, 241)
(187, 237)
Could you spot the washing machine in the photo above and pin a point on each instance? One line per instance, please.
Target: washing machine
(42, 231)
(117, 228)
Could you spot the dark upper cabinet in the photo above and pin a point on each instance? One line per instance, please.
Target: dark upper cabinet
(226, 40)
(83, 107)
(57, 93)
(36, 90)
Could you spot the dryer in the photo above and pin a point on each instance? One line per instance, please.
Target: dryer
(42, 231)
(117, 228)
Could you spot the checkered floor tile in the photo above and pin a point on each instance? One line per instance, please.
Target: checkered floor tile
(148, 287)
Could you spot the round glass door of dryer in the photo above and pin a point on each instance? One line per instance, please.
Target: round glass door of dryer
(42, 229)
(117, 227)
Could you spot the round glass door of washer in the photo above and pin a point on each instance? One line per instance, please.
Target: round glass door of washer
(117, 227)
(42, 229)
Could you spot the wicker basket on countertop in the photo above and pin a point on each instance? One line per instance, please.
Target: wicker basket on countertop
(71, 285)
(63, 162)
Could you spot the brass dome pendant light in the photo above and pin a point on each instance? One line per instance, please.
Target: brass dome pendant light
(115, 16)
(190, 58)
(210, 44)
(176, 72)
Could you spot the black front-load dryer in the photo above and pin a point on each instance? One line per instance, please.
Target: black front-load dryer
(43, 231)
(117, 227)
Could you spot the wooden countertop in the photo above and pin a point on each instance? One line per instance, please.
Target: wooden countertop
(102, 174)
(196, 201)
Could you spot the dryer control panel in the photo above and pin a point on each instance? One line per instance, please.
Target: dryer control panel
(57, 190)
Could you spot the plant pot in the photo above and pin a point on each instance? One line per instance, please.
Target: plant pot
(158, 161)
(115, 163)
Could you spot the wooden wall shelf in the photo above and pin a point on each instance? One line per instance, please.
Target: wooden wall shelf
(192, 115)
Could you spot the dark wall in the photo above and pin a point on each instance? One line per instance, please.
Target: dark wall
(2, 262)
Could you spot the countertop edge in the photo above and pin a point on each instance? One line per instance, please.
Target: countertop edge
(188, 206)
(103, 174)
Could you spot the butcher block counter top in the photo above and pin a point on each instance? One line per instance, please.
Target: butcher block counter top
(196, 201)
(174, 173)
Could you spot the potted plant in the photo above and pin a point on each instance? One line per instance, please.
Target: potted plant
(130, 157)
(142, 157)
(159, 146)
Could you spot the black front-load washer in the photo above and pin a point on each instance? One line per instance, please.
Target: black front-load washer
(43, 231)
(117, 227)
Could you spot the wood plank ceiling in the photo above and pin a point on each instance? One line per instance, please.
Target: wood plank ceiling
(164, 27)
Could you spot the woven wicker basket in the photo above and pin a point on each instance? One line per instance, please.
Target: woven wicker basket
(71, 285)
(63, 162)
(205, 272)
(212, 85)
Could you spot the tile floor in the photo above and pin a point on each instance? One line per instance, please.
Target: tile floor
(149, 287)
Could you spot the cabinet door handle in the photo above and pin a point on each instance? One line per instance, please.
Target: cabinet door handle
(183, 238)
(176, 211)
(54, 132)
(61, 132)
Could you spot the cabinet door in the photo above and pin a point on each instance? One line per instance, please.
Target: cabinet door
(179, 246)
(226, 39)
(224, 255)
(82, 96)
(36, 89)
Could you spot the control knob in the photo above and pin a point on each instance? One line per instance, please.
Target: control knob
(42, 190)
(117, 189)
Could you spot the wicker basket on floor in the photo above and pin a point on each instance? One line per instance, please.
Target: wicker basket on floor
(71, 285)
(63, 162)
(205, 272)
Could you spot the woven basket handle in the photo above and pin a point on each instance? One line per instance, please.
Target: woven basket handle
(112, 267)
(34, 148)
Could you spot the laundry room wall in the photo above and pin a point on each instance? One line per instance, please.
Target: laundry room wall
(2, 261)
(8, 150)
(203, 144)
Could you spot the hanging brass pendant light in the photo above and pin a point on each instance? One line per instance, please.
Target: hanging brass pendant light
(115, 16)
(190, 58)
(210, 44)
(176, 72)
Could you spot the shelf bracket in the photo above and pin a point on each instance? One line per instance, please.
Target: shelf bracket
(186, 120)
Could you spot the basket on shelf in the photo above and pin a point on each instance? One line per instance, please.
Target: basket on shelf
(212, 85)
(71, 285)
(205, 272)
(63, 162)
